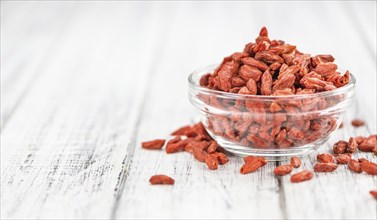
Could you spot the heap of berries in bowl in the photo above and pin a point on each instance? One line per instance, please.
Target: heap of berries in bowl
(271, 99)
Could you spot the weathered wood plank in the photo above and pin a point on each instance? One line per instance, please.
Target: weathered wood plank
(198, 192)
(342, 194)
(63, 149)
(28, 39)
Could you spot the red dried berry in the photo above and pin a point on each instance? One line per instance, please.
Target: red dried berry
(161, 179)
(212, 162)
(343, 158)
(283, 170)
(373, 193)
(304, 175)
(340, 147)
(354, 166)
(325, 158)
(325, 167)
(295, 162)
(369, 167)
(357, 122)
(154, 144)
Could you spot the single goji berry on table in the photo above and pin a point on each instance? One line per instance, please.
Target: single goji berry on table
(154, 144)
(283, 170)
(357, 122)
(295, 162)
(373, 193)
(161, 179)
(343, 158)
(304, 175)
(340, 147)
(252, 164)
(325, 158)
(325, 167)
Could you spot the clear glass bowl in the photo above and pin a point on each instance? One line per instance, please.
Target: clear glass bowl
(271, 126)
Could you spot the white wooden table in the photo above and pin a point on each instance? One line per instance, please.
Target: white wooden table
(83, 83)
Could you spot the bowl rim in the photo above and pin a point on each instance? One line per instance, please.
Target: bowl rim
(195, 85)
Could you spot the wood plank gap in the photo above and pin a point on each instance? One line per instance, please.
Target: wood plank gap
(282, 198)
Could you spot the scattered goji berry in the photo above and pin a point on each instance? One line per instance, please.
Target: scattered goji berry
(161, 179)
(283, 170)
(357, 122)
(302, 176)
(373, 193)
(343, 158)
(325, 158)
(340, 147)
(369, 167)
(295, 162)
(154, 144)
(354, 166)
(252, 164)
(325, 167)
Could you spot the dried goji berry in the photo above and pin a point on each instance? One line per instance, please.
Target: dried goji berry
(212, 162)
(357, 122)
(368, 144)
(249, 72)
(221, 157)
(199, 154)
(343, 158)
(302, 176)
(177, 146)
(154, 144)
(340, 147)
(354, 166)
(325, 167)
(325, 158)
(369, 167)
(373, 193)
(255, 63)
(283, 169)
(212, 147)
(352, 145)
(161, 179)
(182, 130)
(359, 139)
(252, 164)
(295, 162)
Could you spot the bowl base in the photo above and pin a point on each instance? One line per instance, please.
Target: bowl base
(270, 154)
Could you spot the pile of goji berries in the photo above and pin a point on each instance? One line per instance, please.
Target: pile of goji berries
(269, 67)
(196, 141)
(273, 68)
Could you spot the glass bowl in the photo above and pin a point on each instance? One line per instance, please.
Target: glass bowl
(270, 126)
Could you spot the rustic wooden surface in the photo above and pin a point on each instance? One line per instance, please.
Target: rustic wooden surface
(83, 83)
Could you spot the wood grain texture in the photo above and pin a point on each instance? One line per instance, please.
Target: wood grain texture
(83, 83)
